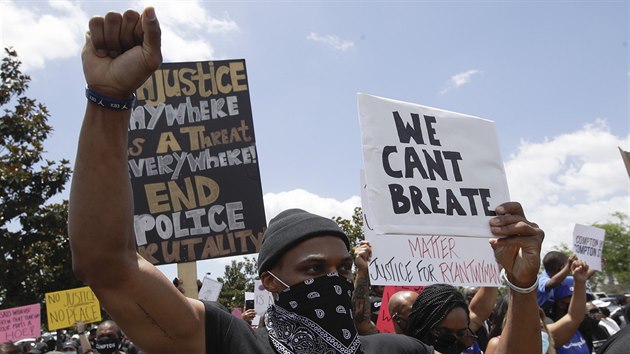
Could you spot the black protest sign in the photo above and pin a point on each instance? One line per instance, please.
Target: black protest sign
(193, 164)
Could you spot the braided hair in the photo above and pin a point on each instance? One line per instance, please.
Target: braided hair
(432, 306)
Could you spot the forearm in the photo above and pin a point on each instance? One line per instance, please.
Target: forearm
(577, 306)
(100, 222)
(85, 343)
(557, 279)
(361, 303)
(521, 333)
(481, 306)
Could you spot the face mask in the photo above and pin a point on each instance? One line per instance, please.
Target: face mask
(545, 341)
(106, 345)
(447, 343)
(317, 311)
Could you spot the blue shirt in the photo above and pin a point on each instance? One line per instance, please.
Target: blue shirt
(576, 345)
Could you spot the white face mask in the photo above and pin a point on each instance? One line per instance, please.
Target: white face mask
(545, 341)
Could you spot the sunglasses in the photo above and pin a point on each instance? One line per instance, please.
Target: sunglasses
(446, 338)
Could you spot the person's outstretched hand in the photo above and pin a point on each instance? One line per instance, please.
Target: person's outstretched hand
(121, 52)
(519, 251)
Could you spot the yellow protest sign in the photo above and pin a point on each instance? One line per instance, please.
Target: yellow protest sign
(66, 307)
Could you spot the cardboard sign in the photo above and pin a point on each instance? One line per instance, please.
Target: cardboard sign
(426, 260)
(429, 171)
(588, 245)
(262, 298)
(385, 324)
(210, 290)
(406, 260)
(193, 164)
(64, 308)
(20, 322)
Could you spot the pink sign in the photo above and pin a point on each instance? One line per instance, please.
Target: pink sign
(20, 322)
(384, 323)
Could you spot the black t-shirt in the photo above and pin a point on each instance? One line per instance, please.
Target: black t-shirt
(227, 334)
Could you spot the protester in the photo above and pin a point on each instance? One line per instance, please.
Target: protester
(361, 306)
(70, 347)
(548, 345)
(594, 333)
(440, 317)
(299, 251)
(557, 267)
(570, 307)
(400, 305)
(109, 338)
(39, 348)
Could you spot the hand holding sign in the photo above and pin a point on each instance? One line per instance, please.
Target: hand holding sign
(519, 251)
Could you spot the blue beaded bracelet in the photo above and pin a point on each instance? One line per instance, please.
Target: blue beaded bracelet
(108, 102)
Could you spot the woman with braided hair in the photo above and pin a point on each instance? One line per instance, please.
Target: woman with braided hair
(440, 317)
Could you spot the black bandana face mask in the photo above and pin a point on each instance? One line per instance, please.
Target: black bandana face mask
(314, 317)
(107, 345)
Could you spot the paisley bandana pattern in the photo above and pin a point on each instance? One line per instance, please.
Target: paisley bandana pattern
(314, 317)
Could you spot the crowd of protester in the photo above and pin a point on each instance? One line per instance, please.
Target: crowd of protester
(320, 304)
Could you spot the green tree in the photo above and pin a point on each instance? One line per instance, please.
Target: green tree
(238, 278)
(35, 254)
(617, 250)
(354, 227)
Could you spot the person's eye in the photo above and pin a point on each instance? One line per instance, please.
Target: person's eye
(345, 268)
(313, 269)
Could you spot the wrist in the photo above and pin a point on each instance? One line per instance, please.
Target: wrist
(111, 92)
(113, 103)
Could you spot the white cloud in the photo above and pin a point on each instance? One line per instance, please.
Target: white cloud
(576, 177)
(188, 29)
(41, 34)
(331, 40)
(459, 80)
(299, 198)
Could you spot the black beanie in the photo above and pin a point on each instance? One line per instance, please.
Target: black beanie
(289, 228)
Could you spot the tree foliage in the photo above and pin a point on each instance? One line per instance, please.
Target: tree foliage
(33, 232)
(238, 278)
(353, 228)
(617, 249)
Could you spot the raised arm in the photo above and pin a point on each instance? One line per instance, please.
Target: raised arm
(361, 294)
(481, 307)
(559, 277)
(519, 254)
(563, 329)
(120, 53)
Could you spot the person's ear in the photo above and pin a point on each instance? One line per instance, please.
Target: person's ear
(270, 283)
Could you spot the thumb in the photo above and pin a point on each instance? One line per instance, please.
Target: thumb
(152, 39)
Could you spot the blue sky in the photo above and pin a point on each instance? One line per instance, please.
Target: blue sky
(553, 75)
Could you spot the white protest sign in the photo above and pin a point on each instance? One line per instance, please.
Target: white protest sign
(588, 243)
(262, 298)
(425, 260)
(429, 171)
(210, 289)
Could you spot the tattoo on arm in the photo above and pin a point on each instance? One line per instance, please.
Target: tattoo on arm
(361, 305)
(154, 322)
